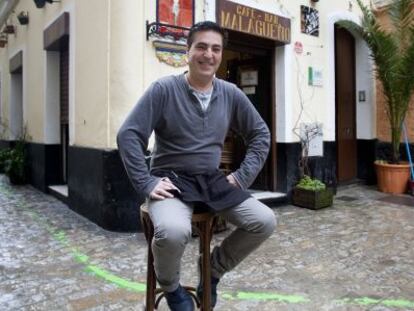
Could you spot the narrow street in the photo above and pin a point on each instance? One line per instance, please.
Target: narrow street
(356, 255)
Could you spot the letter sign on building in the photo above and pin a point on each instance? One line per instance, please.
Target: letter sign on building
(245, 19)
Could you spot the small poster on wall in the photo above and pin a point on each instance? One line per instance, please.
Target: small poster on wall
(315, 77)
(249, 77)
(309, 18)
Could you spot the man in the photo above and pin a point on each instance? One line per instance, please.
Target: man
(191, 114)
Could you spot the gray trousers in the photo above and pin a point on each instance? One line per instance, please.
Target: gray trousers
(255, 222)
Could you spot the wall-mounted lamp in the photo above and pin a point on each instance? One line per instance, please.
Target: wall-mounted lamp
(9, 29)
(41, 3)
(23, 18)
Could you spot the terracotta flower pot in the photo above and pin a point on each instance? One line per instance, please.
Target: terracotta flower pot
(392, 178)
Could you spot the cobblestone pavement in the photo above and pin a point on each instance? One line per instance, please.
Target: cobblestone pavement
(357, 255)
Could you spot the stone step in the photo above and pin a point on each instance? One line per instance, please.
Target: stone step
(60, 192)
(269, 197)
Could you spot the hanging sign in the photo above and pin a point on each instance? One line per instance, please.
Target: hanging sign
(259, 23)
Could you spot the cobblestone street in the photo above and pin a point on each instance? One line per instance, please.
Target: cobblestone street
(357, 255)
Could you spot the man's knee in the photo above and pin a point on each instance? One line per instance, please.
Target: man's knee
(269, 223)
(172, 234)
(264, 222)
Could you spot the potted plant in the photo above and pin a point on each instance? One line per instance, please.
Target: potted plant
(15, 164)
(23, 17)
(309, 192)
(4, 155)
(312, 193)
(392, 49)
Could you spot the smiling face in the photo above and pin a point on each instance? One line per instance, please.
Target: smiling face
(204, 55)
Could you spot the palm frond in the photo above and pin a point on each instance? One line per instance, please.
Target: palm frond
(392, 50)
(401, 15)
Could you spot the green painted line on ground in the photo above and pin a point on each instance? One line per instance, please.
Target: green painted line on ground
(399, 303)
(366, 301)
(60, 236)
(82, 258)
(112, 278)
(265, 297)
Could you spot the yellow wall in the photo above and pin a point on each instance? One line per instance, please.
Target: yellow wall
(91, 73)
(112, 63)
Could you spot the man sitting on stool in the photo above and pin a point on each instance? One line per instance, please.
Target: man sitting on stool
(191, 114)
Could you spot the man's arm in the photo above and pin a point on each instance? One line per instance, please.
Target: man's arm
(132, 138)
(249, 124)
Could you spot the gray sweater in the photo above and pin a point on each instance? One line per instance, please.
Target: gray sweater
(186, 138)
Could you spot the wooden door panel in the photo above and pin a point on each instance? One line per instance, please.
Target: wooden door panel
(64, 111)
(345, 105)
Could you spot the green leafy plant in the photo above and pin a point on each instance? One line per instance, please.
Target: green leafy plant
(392, 50)
(308, 183)
(14, 164)
(4, 155)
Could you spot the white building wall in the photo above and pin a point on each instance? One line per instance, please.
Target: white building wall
(292, 89)
(112, 63)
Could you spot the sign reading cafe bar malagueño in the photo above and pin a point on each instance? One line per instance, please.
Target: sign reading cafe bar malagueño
(245, 19)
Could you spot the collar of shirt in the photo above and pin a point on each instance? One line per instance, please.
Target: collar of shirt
(215, 90)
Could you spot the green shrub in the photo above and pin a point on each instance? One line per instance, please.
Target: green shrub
(14, 165)
(4, 155)
(308, 183)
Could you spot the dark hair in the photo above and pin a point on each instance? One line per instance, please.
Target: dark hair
(205, 26)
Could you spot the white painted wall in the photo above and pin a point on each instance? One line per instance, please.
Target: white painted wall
(111, 64)
(283, 85)
(292, 89)
(365, 81)
(366, 120)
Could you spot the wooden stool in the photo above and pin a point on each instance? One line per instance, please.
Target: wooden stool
(203, 223)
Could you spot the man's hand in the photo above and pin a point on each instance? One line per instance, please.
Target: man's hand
(232, 180)
(162, 190)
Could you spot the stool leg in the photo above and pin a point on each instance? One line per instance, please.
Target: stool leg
(205, 239)
(151, 279)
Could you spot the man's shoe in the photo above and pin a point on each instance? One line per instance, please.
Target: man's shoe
(213, 300)
(180, 300)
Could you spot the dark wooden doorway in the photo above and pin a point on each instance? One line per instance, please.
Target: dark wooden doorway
(239, 59)
(260, 96)
(345, 105)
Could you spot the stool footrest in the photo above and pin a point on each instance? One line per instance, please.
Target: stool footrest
(191, 290)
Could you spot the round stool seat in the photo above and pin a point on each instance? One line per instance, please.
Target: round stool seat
(202, 221)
